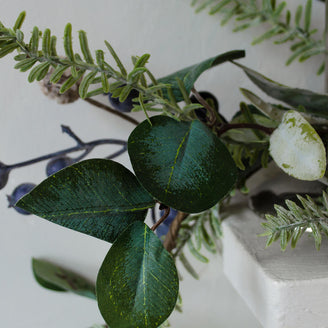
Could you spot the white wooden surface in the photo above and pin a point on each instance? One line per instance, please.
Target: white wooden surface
(30, 126)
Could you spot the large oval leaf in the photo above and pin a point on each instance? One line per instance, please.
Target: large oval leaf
(182, 164)
(314, 103)
(297, 148)
(97, 197)
(56, 278)
(190, 74)
(137, 284)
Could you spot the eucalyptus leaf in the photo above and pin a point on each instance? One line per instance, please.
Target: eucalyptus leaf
(137, 284)
(182, 164)
(297, 148)
(97, 197)
(314, 103)
(190, 74)
(56, 278)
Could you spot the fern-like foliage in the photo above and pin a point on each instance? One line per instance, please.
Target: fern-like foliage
(283, 27)
(290, 224)
(39, 56)
(203, 229)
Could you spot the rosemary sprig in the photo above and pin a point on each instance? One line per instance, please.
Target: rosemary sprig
(281, 26)
(290, 224)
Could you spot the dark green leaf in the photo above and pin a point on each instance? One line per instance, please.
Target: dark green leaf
(190, 74)
(182, 164)
(53, 277)
(137, 284)
(98, 197)
(314, 103)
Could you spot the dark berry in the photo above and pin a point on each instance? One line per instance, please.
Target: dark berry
(17, 194)
(127, 104)
(57, 164)
(171, 216)
(162, 231)
(201, 113)
(4, 173)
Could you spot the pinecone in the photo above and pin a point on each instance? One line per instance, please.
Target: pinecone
(51, 90)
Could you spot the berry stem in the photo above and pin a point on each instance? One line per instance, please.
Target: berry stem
(162, 219)
(225, 127)
(87, 146)
(111, 110)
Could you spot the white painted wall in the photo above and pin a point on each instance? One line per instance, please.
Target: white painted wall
(30, 126)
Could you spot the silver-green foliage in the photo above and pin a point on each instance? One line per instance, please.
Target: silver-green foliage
(290, 224)
(283, 25)
(39, 56)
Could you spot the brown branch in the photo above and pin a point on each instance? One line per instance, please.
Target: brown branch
(203, 102)
(172, 235)
(111, 110)
(162, 219)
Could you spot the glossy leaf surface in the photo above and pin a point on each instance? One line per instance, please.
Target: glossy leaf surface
(137, 284)
(190, 74)
(53, 277)
(297, 148)
(314, 103)
(97, 197)
(182, 164)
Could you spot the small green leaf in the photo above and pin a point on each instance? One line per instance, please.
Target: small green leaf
(8, 49)
(190, 74)
(25, 64)
(58, 72)
(38, 72)
(137, 284)
(68, 42)
(116, 58)
(71, 81)
(182, 164)
(297, 148)
(298, 15)
(85, 84)
(98, 197)
(85, 47)
(53, 41)
(35, 40)
(46, 43)
(307, 15)
(19, 21)
(53, 277)
(314, 103)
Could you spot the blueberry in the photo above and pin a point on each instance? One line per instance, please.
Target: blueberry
(4, 173)
(162, 231)
(171, 216)
(17, 194)
(57, 164)
(127, 104)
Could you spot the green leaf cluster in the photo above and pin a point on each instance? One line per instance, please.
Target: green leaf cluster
(180, 164)
(283, 26)
(292, 222)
